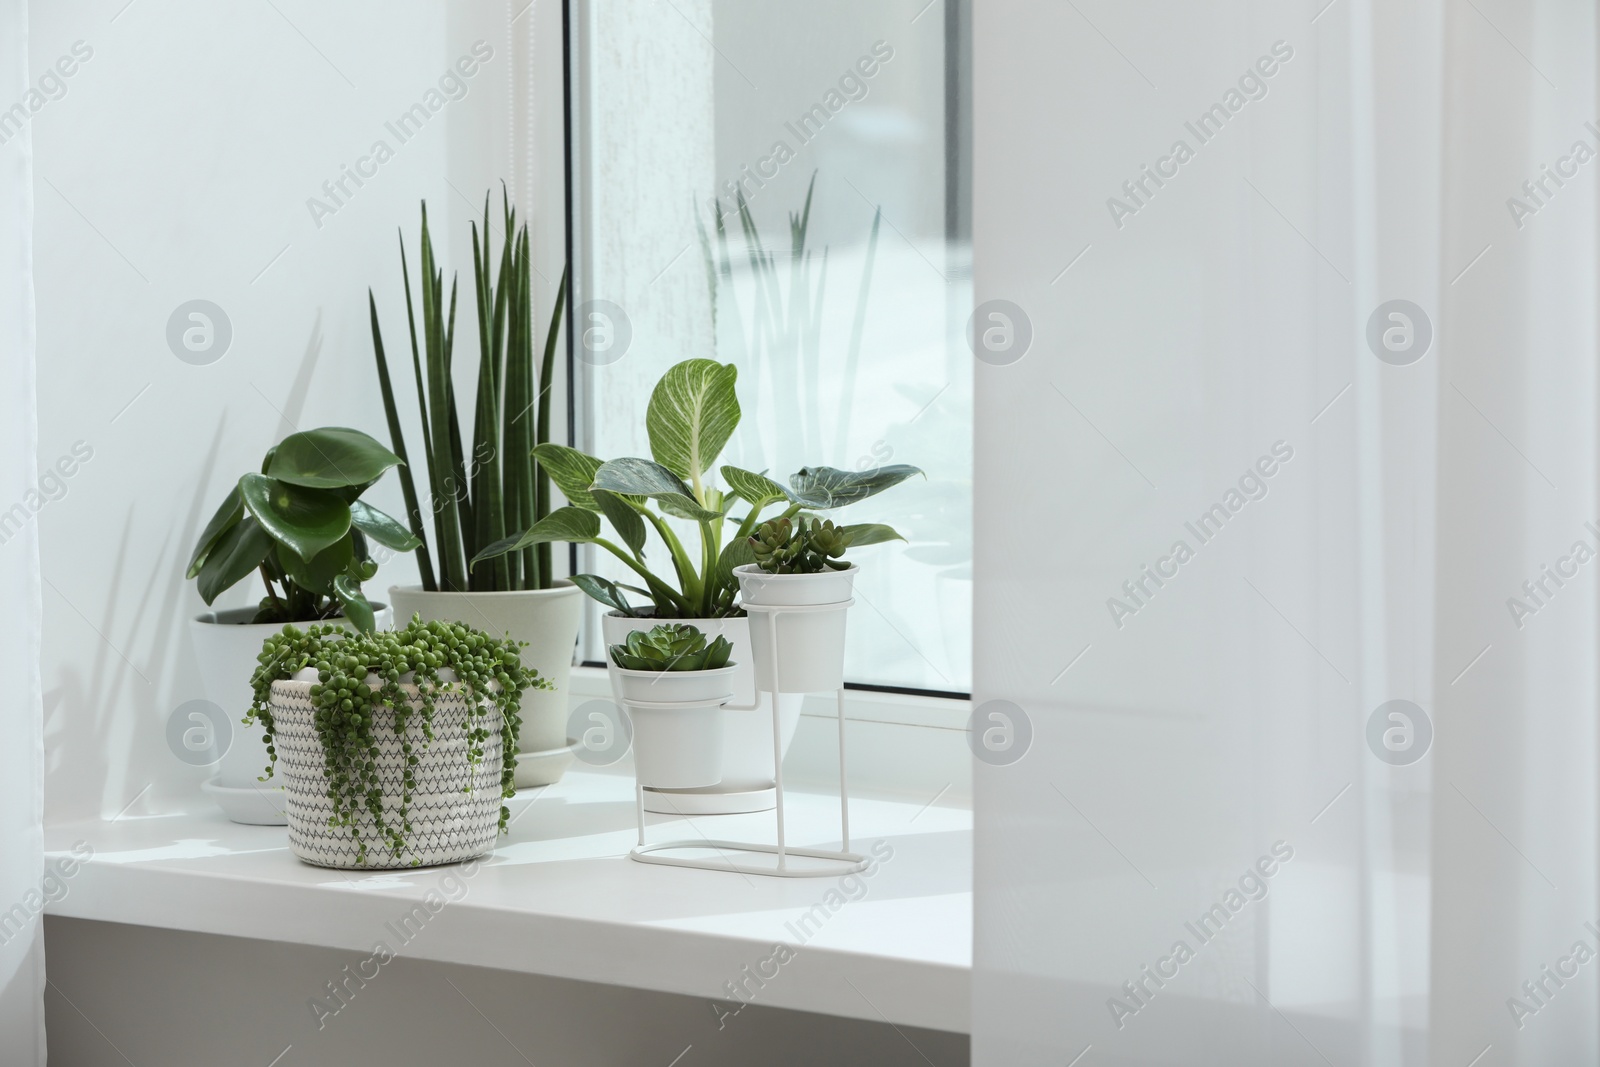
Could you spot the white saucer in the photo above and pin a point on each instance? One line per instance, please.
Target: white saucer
(257, 805)
(547, 767)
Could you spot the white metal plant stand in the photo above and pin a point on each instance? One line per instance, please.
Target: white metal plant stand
(829, 863)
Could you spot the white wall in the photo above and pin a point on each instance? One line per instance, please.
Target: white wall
(177, 166)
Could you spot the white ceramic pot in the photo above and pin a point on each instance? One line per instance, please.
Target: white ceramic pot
(548, 620)
(677, 747)
(809, 644)
(747, 774)
(227, 643)
(455, 805)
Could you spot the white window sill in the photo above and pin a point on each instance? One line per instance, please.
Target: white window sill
(559, 896)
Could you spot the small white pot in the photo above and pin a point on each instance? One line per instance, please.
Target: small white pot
(810, 644)
(677, 747)
(227, 643)
(747, 779)
(548, 620)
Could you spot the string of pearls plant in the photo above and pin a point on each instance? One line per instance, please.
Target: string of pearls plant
(360, 673)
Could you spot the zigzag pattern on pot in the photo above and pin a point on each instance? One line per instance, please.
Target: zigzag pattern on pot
(455, 809)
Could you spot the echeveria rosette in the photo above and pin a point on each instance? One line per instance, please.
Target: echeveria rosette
(301, 524)
(691, 416)
(360, 673)
(808, 546)
(671, 647)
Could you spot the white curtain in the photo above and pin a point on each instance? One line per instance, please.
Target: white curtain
(21, 717)
(1379, 502)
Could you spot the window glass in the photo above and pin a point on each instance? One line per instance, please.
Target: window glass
(840, 291)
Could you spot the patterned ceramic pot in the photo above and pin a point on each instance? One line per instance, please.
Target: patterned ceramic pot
(455, 806)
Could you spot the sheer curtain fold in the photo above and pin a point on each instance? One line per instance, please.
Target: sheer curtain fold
(21, 715)
(1372, 271)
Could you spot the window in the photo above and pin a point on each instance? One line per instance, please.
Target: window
(846, 320)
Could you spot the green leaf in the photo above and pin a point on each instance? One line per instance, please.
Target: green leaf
(828, 487)
(356, 608)
(239, 551)
(628, 523)
(869, 533)
(307, 520)
(569, 524)
(736, 553)
(757, 489)
(605, 592)
(227, 516)
(382, 528)
(692, 413)
(633, 476)
(330, 458)
(317, 574)
(571, 470)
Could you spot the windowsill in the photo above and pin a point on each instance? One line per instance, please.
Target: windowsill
(559, 896)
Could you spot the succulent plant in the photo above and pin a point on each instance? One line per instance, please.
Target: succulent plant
(805, 546)
(671, 647)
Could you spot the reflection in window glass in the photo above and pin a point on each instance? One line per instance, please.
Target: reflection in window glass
(840, 290)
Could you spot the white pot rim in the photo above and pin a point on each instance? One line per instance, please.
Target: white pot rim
(214, 618)
(690, 619)
(754, 570)
(562, 587)
(715, 672)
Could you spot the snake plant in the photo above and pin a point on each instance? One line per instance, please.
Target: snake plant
(691, 415)
(671, 647)
(477, 498)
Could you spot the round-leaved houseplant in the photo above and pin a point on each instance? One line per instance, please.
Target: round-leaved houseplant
(301, 525)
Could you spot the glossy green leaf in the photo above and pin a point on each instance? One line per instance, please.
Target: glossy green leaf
(236, 554)
(605, 592)
(307, 520)
(231, 511)
(571, 470)
(869, 533)
(628, 523)
(828, 487)
(641, 477)
(318, 573)
(356, 607)
(757, 489)
(329, 458)
(382, 528)
(692, 413)
(736, 553)
(568, 525)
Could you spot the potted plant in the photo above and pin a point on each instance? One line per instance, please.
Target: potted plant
(674, 685)
(396, 748)
(478, 497)
(692, 413)
(799, 564)
(300, 524)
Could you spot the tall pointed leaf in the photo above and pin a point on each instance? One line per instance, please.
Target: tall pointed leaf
(397, 439)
